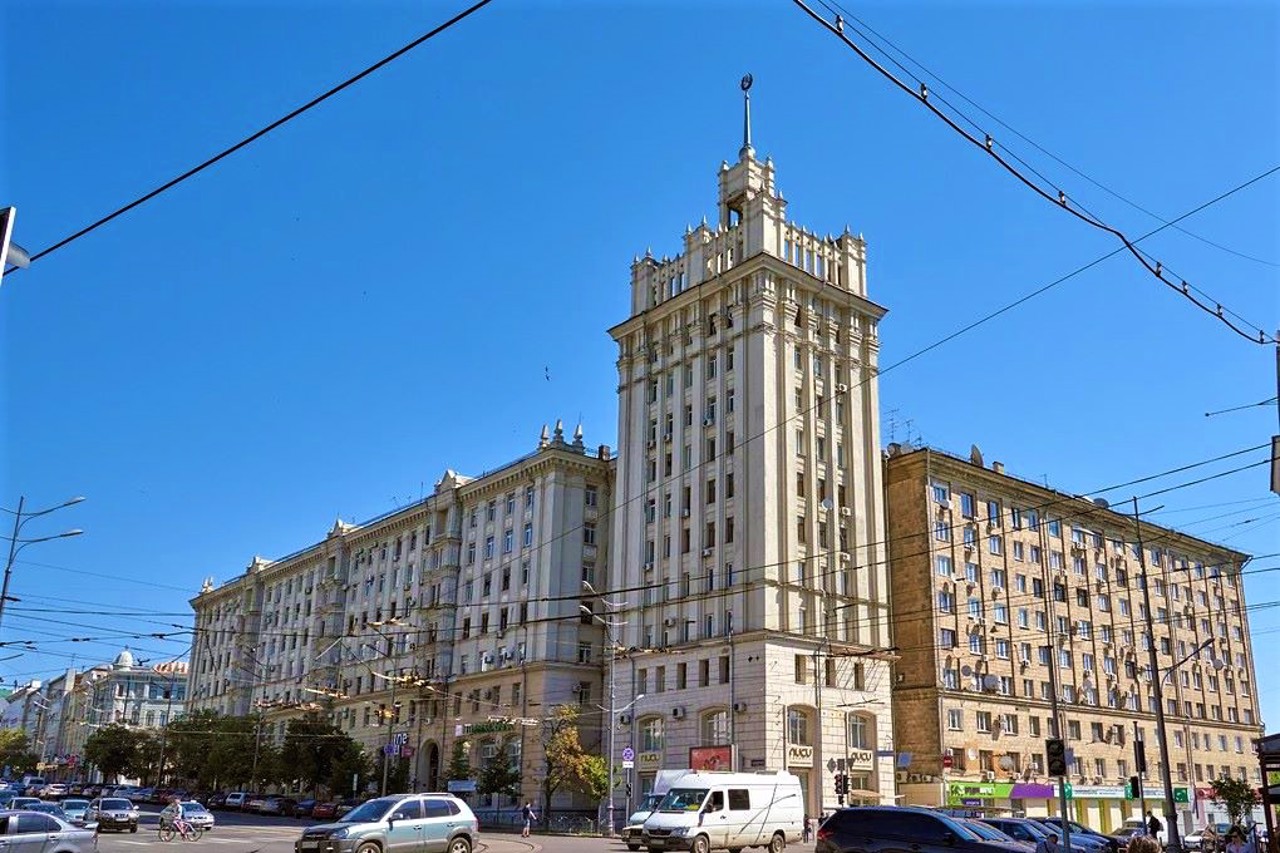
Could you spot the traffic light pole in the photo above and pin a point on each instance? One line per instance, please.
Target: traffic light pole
(1062, 736)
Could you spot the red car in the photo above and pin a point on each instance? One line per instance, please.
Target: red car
(325, 811)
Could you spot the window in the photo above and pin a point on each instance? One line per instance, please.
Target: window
(797, 727)
(861, 732)
(955, 719)
(588, 534)
(715, 728)
(651, 739)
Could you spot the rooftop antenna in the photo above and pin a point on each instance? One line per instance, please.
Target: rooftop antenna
(747, 150)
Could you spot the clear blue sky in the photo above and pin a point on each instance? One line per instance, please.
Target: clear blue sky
(323, 323)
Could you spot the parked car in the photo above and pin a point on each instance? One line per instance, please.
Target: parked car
(442, 823)
(75, 809)
(113, 813)
(881, 829)
(1140, 823)
(46, 807)
(345, 806)
(235, 800)
(1082, 835)
(1019, 829)
(34, 831)
(52, 790)
(216, 801)
(1196, 840)
(325, 811)
(304, 808)
(991, 833)
(279, 805)
(23, 802)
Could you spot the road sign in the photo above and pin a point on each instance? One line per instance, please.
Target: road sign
(628, 765)
(628, 754)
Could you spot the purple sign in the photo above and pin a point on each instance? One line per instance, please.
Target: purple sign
(970, 801)
(1031, 791)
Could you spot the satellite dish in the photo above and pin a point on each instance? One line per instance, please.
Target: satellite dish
(1102, 502)
(966, 670)
(975, 455)
(1006, 763)
(990, 682)
(827, 503)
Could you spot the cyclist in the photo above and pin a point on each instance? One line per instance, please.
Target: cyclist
(172, 815)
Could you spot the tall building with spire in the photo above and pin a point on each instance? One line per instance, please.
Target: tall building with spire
(750, 594)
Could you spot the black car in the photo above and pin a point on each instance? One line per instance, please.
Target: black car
(112, 813)
(882, 829)
(1091, 836)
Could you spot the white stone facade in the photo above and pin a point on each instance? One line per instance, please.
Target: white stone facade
(748, 515)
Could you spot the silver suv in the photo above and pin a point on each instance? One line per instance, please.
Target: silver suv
(403, 823)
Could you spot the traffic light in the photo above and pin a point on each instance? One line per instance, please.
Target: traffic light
(1055, 750)
(1135, 788)
(842, 784)
(1139, 755)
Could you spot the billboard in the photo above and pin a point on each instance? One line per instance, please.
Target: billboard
(711, 757)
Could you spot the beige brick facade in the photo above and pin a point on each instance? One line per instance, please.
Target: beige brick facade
(994, 579)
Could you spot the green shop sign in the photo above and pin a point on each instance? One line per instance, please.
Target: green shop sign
(958, 792)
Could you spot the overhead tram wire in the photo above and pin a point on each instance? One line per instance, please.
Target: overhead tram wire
(835, 8)
(253, 137)
(1155, 268)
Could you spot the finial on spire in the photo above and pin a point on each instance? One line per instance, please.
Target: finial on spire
(747, 150)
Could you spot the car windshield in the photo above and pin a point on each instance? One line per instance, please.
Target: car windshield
(371, 812)
(75, 804)
(116, 805)
(990, 833)
(683, 800)
(193, 808)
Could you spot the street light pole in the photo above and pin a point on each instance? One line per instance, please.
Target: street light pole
(1170, 813)
(391, 736)
(613, 723)
(16, 544)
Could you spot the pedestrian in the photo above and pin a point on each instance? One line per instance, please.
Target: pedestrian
(529, 818)
(808, 829)
(1154, 826)
(1048, 844)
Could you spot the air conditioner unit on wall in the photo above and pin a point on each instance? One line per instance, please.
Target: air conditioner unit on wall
(677, 713)
(740, 707)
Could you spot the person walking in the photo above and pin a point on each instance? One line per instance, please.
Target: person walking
(1154, 826)
(808, 829)
(529, 817)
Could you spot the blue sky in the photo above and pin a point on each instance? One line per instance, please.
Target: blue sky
(324, 322)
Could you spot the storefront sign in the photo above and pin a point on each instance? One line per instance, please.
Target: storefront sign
(800, 756)
(711, 758)
(649, 760)
(488, 727)
(861, 759)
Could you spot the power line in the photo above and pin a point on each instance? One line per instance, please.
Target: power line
(253, 137)
(937, 78)
(987, 144)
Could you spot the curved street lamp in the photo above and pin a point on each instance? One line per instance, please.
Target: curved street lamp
(16, 543)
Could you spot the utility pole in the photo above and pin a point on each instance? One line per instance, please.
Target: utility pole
(1060, 731)
(391, 736)
(1157, 682)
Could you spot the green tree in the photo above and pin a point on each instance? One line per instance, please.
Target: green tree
(1237, 795)
(114, 749)
(15, 752)
(459, 762)
(566, 765)
(352, 763)
(187, 746)
(312, 747)
(501, 775)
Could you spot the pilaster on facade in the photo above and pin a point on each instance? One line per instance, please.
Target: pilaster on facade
(447, 621)
(748, 514)
(997, 580)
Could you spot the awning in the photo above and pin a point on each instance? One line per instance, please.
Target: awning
(862, 794)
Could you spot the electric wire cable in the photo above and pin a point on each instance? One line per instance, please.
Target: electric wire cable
(1062, 200)
(835, 8)
(256, 135)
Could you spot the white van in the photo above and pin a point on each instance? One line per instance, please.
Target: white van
(719, 810)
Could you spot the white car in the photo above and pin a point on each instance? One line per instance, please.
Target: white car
(54, 789)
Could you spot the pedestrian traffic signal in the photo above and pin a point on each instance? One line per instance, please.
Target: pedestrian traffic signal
(1135, 788)
(1055, 750)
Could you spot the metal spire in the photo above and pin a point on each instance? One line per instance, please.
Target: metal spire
(747, 150)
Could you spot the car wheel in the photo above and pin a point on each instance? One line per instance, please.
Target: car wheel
(368, 847)
(701, 845)
(133, 827)
(777, 843)
(461, 844)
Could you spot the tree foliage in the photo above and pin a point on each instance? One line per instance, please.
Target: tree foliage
(15, 752)
(116, 749)
(500, 775)
(1236, 794)
(351, 763)
(459, 762)
(566, 764)
(313, 748)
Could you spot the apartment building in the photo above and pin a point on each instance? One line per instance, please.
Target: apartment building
(455, 619)
(748, 579)
(1002, 589)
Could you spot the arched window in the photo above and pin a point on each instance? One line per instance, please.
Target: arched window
(798, 726)
(651, 735)
(862, 731)
(715, 727)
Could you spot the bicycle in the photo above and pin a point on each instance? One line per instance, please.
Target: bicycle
(184, 829)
